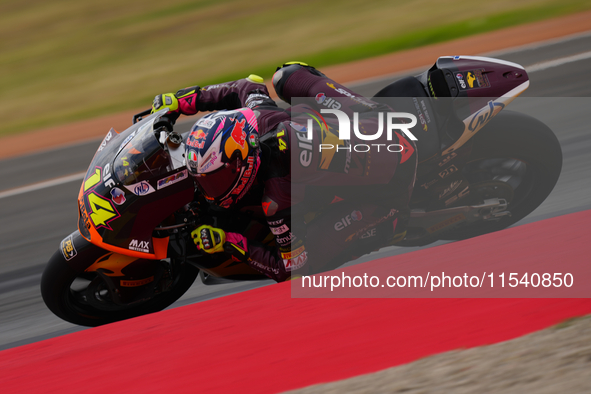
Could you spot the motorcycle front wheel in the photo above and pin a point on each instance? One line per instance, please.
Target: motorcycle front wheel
(86, 298)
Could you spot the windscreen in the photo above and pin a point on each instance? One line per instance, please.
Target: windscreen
(141, 159)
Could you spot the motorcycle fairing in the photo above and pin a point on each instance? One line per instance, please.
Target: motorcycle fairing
(490, 84)
(130, 187)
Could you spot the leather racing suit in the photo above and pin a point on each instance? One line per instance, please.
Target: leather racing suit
(324, 206)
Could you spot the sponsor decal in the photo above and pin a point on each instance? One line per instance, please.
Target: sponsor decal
(426, 185)
(293, 253)
(370, 233)
(171, 180)
(108, 181)
(127, 139)
(460, 78)
(286, 240)
(117, 195)
(481, 117)
(136, 283)
(197, 139)
(358, 99)
(481, 79)
(208, 162)
(83, 213)
(447, 158)
(269, 206)
(237, 140)
(473, 79)
(262, 267)
(295, 259)
(296, 262)
(450, 189)
(347, 220)
(336, 199)
(246, 177)
(425, 111)
(305, 145)
(461, 194)
(327, 101)
(275, 222)
(470, 78)
(68, 249)
(139, 246)
(422, 118)
(423, 122)
(106, 139)
(279, 230)
(446, 223)
(331, 103)
(204, 122)
(298, 127)
(364, 229)
(140, 189)
(448, 171)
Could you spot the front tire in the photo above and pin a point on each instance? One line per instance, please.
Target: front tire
(77, 307)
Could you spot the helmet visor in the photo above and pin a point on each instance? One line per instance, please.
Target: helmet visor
(220, 182)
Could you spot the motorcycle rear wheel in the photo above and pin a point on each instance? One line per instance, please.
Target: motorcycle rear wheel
(77, 307)
(523, 153)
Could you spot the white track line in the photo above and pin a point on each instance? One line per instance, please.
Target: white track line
(557, 62)
(42, 185)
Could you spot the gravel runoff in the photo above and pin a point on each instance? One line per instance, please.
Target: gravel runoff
(554, 360)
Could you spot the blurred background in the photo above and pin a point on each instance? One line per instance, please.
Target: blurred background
(67, 60)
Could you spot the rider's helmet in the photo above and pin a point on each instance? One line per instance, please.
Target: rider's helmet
(222, 154)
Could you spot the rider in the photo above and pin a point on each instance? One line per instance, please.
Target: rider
(324, 204)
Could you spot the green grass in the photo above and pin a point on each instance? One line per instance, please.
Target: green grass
(67, 60)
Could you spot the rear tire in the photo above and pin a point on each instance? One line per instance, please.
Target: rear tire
(525, 140)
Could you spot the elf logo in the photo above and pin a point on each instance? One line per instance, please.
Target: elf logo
(347, 220)
(327, 101)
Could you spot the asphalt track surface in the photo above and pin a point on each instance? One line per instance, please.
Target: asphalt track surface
(34, 222)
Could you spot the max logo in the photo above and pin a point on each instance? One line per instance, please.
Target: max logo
(140, 246)
(482, 117)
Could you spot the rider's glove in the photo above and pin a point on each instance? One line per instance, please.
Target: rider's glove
(165, 100)
(214, 240)
(183, 102)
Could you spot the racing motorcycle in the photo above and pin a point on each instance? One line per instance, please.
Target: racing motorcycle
(480, 170)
